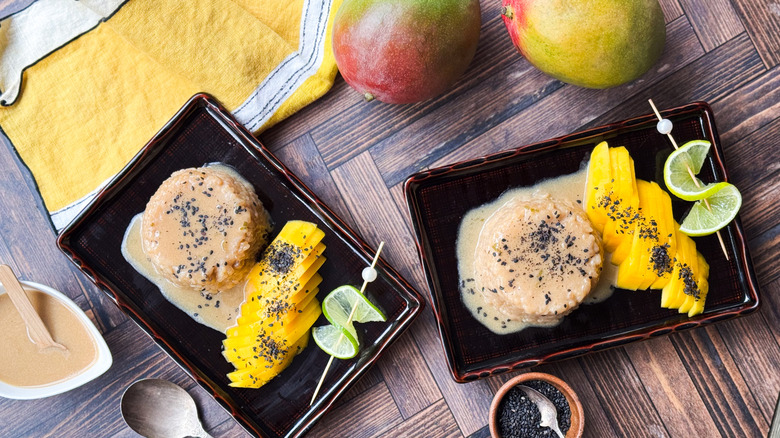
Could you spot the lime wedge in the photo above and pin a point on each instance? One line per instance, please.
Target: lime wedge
(340, 339)
(335, 341)
(725, 204)
(679, 181)
(338, 305)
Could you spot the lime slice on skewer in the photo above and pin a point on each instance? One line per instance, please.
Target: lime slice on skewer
(679, 181)
(338, 305)
(340, 339)
(725, 204)
(335, 341)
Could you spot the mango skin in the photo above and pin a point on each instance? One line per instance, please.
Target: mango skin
(589, 43)
(404, 51)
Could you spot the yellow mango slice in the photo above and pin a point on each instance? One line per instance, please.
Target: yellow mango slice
(631, 273)
(610, 203)
(259, 376)
(698, 305)
(607, 201)
(597, 185)
(273, 308)
(688, 268)
(699, 277)
(648, 234)
(627, 225)
(279, 306)
(258, 282)
(687, 303)
(304, 240)
(288, 291)
(666, 246)
(704, 286)
(624, 249)
(670, 288)
(675, 283)
(241, 349)
(240, 336)
(655, 230)
(624, 200)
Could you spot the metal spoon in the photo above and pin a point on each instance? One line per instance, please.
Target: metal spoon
(157, 408)
(546, 408)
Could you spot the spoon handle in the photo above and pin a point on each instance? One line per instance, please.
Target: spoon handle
(195, 426)
(546, 409)
(38, 332)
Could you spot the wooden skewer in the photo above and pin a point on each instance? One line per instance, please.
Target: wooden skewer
(39, 335)
(341, 336)
(693, 176)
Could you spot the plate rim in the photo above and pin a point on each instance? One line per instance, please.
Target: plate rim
(413, 184)
(415, 301)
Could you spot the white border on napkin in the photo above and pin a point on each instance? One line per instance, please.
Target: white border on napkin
(282, 82)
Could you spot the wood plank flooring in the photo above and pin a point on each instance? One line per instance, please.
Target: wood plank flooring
(722, 380)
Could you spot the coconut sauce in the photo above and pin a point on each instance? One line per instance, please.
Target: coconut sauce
(22, 364)
(216, 310)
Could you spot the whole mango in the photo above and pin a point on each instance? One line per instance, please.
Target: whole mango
(404, 51)
(590, 43)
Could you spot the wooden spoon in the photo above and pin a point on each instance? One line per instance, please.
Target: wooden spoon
(35, 327)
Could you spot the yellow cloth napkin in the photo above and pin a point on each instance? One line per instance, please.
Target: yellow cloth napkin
(85, 109)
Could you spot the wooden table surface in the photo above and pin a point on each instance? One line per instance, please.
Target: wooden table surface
(722, 380)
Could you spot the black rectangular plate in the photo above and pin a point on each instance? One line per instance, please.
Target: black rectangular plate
(204, 132)
(439, 198)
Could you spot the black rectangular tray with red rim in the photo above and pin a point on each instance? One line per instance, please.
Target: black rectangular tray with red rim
(439, 198)
(205, 132)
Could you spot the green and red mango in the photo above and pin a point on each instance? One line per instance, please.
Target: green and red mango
(590, 43)
(404, 51)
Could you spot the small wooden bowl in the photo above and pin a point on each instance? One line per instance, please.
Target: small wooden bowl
(577, 414)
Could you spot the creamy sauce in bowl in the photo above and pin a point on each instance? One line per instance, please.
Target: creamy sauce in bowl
(473, 281)
(22, 364)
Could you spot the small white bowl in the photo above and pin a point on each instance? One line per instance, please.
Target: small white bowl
(103, 362)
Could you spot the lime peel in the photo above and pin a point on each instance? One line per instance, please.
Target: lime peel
(723, 208)
(682, 166)
(343, 306)
(716, 205)
(336, 341)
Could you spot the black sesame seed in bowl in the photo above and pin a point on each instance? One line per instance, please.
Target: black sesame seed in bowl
(514, 415)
